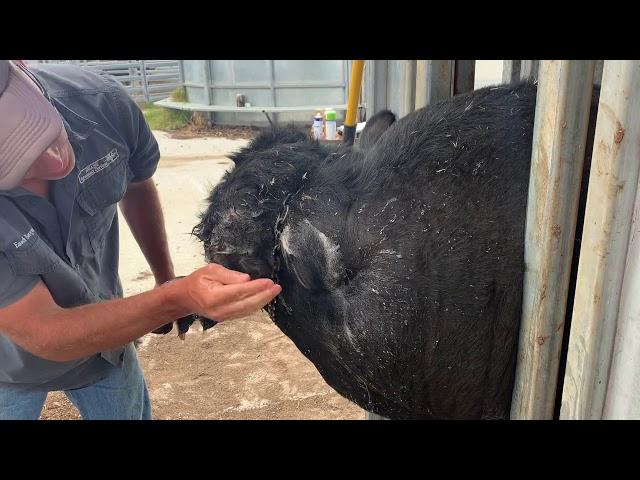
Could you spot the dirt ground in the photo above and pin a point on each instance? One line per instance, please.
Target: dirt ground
(216, 131)
(244, 369)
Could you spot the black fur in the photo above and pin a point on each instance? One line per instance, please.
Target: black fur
(375, 127)
(402, 261)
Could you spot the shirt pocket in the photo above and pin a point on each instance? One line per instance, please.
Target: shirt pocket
(98, 200)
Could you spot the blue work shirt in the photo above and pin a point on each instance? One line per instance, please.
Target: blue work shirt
(70, 242)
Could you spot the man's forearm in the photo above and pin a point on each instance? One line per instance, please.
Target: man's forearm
(73, 333)
(40, 326)
(143, 212)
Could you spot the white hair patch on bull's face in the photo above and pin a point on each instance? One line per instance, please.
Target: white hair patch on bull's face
(303, 242)
(349, 335)
(285, 241)
(331, 249)
(292, 239)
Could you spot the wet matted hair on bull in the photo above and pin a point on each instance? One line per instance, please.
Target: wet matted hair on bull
(266, 139)
(264, 155)
(262, 152)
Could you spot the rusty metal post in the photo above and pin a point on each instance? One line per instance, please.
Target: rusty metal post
(613, 185)
(559, 138)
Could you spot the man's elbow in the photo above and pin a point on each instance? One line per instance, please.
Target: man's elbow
(51, 350)
(46, 345)
(55, 353)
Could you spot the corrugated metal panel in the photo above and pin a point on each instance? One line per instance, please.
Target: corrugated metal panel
(266, 83)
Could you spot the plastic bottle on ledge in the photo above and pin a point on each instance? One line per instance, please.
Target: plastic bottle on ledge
(317, 126)
(330, 126)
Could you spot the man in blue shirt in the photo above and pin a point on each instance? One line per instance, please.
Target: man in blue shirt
(73, 146)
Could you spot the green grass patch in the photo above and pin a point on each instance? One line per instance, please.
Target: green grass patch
(178, 95)
(160, 118)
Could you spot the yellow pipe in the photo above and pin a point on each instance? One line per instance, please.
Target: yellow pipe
(357, 68)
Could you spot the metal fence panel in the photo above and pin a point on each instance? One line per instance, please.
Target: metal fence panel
(144, 80)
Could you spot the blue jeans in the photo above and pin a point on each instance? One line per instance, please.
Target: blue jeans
(122, 395)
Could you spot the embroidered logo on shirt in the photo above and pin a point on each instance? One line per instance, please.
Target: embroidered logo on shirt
(24, 238)
(97, 166)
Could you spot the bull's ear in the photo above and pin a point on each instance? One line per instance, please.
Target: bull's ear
(375, 127)
(266, 139)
